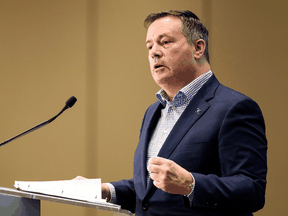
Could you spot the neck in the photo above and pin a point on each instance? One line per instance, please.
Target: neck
(172, 88)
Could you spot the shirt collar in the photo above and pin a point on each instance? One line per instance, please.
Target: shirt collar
(185, 94)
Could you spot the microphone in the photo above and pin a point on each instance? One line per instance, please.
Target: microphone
(69, 103)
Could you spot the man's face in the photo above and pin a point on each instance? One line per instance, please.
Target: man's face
(170, 55)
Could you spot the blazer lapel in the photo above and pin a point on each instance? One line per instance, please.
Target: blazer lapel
(196, 108)
(192, 113)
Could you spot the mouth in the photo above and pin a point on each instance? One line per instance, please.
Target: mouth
(158, 66)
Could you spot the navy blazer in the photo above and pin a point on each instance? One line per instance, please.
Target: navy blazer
(219, 138)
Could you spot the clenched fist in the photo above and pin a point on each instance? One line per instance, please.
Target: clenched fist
(169, 176)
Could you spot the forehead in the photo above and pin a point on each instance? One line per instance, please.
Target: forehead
(170, 25)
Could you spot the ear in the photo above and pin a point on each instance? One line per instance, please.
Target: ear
(199, 48)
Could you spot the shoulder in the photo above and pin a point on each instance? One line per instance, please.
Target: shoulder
(224, 98)
(229, 94)
(214, 90)
(236, 103)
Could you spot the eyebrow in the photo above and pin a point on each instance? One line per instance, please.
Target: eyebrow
(159, 37)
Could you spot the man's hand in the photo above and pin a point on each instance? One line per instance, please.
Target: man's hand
(169, 176)
(105, 192)
(104, 188)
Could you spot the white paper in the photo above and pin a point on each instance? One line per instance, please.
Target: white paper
(86, 189)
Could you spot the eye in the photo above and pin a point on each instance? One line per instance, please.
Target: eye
(165, 42)
(149, 47)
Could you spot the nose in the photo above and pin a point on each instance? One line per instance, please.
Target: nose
(155, 52)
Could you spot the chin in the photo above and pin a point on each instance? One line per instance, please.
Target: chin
(162, 81)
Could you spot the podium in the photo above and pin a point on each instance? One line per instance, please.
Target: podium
(21, 203)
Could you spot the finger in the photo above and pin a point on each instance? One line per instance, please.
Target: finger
(157, 160)
(152, 176)
(158, 184)
(154, 168)
(155, 177)
(79, 178)
(149, 168)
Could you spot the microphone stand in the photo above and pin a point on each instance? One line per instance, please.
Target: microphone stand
(69, 103)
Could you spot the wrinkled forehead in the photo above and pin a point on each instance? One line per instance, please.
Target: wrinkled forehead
(164, 25)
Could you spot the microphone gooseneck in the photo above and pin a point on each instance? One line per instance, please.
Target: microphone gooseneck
(69, 103)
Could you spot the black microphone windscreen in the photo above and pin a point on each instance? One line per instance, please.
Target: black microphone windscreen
(71, 101)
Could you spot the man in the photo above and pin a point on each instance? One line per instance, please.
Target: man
(202, 146)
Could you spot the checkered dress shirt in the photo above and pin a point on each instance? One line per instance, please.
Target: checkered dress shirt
(172, 112)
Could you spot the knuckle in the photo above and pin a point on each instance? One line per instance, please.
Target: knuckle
(166, 170)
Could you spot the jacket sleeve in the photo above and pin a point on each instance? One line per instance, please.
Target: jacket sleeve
(242, 149)
(125, 194)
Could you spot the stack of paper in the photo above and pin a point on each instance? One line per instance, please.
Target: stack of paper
(86, 189)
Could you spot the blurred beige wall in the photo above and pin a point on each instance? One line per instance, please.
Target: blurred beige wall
(95, 50)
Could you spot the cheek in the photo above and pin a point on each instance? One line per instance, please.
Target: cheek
(150, 61)
(173, 58)
(180, 60)
(149, 58)
(186, 59)
(179, 54)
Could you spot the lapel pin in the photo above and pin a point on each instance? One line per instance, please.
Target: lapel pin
(198, 111)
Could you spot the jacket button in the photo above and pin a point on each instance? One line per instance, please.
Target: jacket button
(205, 204)
(145, 206)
